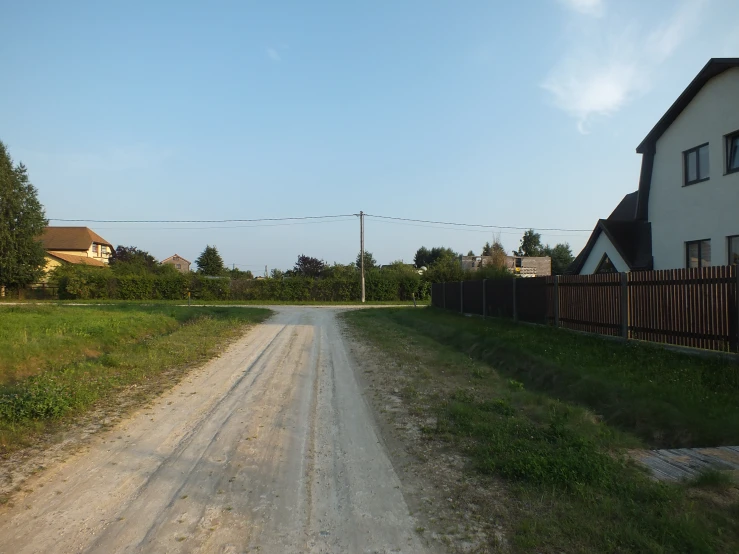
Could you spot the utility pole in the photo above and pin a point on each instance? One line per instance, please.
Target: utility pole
(361, 249)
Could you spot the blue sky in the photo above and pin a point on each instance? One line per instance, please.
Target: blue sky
(514, 114)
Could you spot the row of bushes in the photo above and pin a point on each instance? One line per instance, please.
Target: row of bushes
(81, 282)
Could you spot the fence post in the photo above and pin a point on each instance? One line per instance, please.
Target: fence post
(624, 305)
(443, 295)
(556, 300)
(461, 297)
(515, 302)
(484, 304)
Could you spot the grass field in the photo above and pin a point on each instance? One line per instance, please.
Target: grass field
(57, 361)
(666, 398)
(548, 416)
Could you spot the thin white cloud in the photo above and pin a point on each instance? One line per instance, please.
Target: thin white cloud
(273, 54)
(664, 40)
(610, 63)
(588, 7)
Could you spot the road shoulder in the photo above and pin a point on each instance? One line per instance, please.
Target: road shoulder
(456, 511)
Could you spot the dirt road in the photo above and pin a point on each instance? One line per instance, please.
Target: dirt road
(270, 448)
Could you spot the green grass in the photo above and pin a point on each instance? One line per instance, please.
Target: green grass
(714, 479)
(496, 392)
(668, 399)
(59, 361)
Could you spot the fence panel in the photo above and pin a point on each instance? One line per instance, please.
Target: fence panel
(531, 299)
(472, 297)
(590, 303)
(437, 295)
(499, 297)
(453, 296)
(687, 307)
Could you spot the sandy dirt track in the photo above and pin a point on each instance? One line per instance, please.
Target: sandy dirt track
(269, 448)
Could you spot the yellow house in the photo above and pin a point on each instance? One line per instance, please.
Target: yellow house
(75, 245)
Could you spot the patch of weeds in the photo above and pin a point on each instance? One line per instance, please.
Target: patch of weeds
(479, 373)
(515, 385)
(714, 479)
(141, 342)
(409, 392)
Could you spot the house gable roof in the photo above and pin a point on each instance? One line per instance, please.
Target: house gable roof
(172, 257)
(626, 209)
(631, 238)
(71, 259)
(647, 147)
(71, 238)
(715, 66)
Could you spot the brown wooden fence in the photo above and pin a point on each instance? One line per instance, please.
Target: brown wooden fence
(687, 307)
(591, 303)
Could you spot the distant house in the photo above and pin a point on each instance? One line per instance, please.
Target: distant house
(684, 214)
(179, 263)
(74, 245)
(525, 266)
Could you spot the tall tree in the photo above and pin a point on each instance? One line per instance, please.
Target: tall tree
(561, 257)
(369, 260)
(530, 244)
(426, 257)
(210, 262)
(496, 252)
(307, 266)
(132, 255)
(22, 222)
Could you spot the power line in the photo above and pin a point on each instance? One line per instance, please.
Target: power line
(476, 225)
(468, 230)
(201, 220)
(350, 218)
(298, 220)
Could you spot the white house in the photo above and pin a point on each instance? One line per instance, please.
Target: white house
(686, 211)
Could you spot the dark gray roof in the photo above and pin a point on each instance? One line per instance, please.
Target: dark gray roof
(626, 209)
(632, 239)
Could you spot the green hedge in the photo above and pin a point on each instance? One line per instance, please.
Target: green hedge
(81, 282)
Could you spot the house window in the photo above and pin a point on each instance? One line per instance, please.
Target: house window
(698, 253)
(732, 152)
(178, 266)
(605, 265)
(695, 161)
(94, 248)
(733, 250)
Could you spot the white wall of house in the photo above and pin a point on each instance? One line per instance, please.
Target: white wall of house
(603, 246)
(705, 210)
